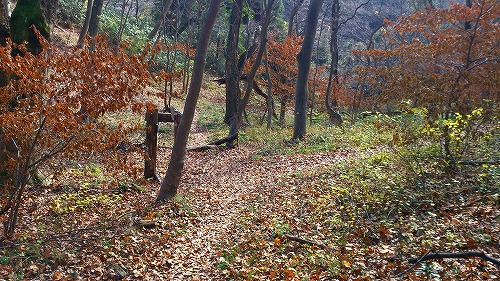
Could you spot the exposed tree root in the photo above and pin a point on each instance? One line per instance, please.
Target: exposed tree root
(215, 144)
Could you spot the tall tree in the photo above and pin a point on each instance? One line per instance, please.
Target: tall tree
(235, 126)
(86, 23)
(160, 19)
(304, 63)
(269, 91)
(95, 16)
(232, 71)
(333, 79)
(292, 16)
(172, 178)
(4, 21)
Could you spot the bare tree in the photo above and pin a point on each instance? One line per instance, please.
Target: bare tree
(232, 71)
(172, 178)
(4, 21)
(293, 13)
(235, 126)
(304, 61)
(86, 23)
(316, 68)
(333, 78)
(123, 20)
(160, 19)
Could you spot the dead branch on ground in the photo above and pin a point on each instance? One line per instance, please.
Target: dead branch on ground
(456, 256)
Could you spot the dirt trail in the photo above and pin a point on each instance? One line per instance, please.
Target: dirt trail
(218, 185)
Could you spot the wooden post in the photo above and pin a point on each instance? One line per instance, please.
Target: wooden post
(151, 144)
(176, 118)
(152, 120)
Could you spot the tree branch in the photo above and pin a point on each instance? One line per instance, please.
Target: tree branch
(456, 256)
(304, 241)
(354, 14)
(478, 163)
(414, 264)
(56, 149)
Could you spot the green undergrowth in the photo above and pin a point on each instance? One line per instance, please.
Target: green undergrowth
(365, 216)
(390, 196)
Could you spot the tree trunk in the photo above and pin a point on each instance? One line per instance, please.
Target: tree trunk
(292, 17)
(49, 8)
(250, 79)
(4, 24)
(269, 92)
(283, 102)
(136, 9)
(160, 19)
(313, 98)
(172, 178)
(304, 63)
(333, 78)
(4, 80)
(232, 72)
(187, 59)
(26, 14)
(95, 17)
(86, 23)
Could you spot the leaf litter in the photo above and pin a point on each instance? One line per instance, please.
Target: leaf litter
(236, 212)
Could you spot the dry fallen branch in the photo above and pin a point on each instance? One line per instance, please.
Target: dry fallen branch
(417, 261)
(456, 256)
(202, 148)
(478, 163)
(307, 242)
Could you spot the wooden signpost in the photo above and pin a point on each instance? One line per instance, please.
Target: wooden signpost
(152, 120)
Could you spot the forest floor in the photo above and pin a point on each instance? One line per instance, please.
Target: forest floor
(360, 207)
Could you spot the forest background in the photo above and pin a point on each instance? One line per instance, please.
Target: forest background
(349, 137)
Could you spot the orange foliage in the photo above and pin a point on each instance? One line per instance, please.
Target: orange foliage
(183, 48)
(435, 62)
(346, 96)
(66, 89)
(318, 82)
(282, 66)
(283, 69)
(52, 103)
